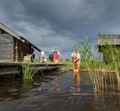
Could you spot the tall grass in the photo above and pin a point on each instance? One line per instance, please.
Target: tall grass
(113, 57)
(26, 85)
(27, 71)
(98, 75)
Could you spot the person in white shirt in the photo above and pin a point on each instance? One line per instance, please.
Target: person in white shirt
(76, 59)
(43, 56)
(76, 66)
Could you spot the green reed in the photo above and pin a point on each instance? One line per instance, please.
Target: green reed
(26, 85)
(113, 58)
(99, 72)
(27, 70)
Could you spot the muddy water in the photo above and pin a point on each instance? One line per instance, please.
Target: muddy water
(55, 93)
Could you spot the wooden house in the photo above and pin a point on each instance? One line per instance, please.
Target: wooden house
(13, 47)
(104, 40)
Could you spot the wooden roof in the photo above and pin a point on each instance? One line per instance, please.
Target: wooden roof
(17, 36)
(103, 39)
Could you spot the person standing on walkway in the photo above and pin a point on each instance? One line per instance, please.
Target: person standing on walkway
(43, 56)
(56, 55)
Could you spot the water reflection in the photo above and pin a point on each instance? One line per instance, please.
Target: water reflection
(26, 85)
(10, 90)
(53, 93)
(55, 83)
(76, 77)
(93, 102)
(76, 82)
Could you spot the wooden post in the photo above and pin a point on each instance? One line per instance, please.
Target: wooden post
(16, 50)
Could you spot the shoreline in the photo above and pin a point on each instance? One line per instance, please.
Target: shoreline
(65, 69)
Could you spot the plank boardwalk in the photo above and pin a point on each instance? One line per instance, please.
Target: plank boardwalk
(13, 68)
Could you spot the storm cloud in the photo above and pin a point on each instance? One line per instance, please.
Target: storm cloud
(60, 23)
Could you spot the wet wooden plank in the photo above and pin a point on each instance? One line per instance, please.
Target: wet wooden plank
(15, 68)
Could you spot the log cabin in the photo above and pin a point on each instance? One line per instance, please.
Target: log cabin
(13, 46)
(104, 40)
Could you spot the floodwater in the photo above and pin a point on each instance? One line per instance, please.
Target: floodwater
(55, 92)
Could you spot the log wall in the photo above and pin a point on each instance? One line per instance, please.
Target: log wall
(12, 49)
(6, 48)
(20, 50)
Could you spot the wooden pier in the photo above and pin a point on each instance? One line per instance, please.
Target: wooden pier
(16, 68)
(14, 48)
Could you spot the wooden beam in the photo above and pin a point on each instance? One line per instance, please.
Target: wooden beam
(16, 50)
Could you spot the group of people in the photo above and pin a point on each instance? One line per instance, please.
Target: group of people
(75, 60)
(55, 55)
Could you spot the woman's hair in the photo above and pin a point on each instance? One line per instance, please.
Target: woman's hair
(76, 49)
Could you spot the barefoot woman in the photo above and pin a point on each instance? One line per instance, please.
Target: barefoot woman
(76, 59)
(76, 66)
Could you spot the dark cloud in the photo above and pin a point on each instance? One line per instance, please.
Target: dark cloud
(59, 23)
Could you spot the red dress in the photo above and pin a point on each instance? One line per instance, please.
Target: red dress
(55, 55)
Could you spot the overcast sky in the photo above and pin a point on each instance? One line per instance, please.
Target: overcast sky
(60, 23)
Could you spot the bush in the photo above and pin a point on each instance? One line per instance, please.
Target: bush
(51, 57)
(67, 60)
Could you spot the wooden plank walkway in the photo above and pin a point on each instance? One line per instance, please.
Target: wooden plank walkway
(13, 68)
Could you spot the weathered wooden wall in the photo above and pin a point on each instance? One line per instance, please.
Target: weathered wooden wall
(12, 49)
(23, 50)
(6, 48)
(114, 39)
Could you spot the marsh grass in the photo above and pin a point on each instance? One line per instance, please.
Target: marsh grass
(68, 64)
(26, 85)
(28, 72)
(102, 76)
